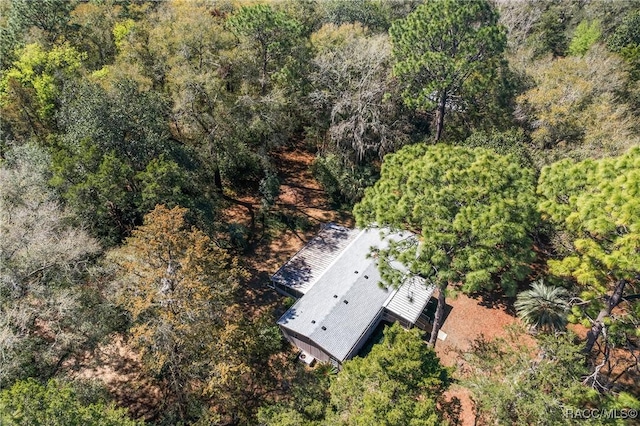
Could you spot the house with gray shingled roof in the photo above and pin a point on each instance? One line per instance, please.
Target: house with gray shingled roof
(341, 299)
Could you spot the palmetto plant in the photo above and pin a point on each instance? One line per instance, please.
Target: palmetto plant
(544, 307)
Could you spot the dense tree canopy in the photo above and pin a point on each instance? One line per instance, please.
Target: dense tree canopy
(117, 159)
(440, 47)
(513, 384)
(31, 89)
(233, 125)
(471, 209)
(28, 403)
(576, 109)
(398, 383)
(49, 308)
(176, 284)
(597, 202)
(271, 33)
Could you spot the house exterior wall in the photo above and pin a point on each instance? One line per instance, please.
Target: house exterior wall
(392, 317)
(302, 342)
(286, 291)
(423, 322)
(307, 345)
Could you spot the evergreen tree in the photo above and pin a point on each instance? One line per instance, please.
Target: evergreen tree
(442, 46)
(398, 383)
(543, 307)
(597, 202)
(472, 211)
(514, 384)
(28, 403)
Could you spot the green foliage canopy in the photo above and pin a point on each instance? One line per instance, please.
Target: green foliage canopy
(117, 160)
(442, 45)
(28, 403)
(273, 34)
(472, 209)
(598, 203)
(511, 383)
(586, 34)
(397, 383)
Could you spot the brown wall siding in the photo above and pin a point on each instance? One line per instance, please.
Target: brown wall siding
(422, 322)
(306, 345)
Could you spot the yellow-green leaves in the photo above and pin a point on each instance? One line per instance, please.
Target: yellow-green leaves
(597, 202)
(586, 35)
(574, 107)
(121, 30)
(41, 71)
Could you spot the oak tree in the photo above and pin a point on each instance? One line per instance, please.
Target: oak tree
(178, 286)
(51, 307)
(575, 109)
(353, 90)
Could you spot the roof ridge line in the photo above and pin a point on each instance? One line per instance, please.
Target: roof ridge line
(328, 267)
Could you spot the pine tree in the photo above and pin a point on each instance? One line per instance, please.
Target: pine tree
(471, 209)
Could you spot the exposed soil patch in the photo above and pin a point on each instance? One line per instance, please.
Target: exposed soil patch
(301, 200)
(467, 320)
(118, 366)
(621, 365)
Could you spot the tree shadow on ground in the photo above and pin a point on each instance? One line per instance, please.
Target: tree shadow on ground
(495, 300)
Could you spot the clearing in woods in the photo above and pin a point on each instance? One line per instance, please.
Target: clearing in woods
(301, 200)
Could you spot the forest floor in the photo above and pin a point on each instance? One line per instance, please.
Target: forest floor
(467, 319)
(302, 207)
(118, 368)
(301, 194)
(303, 204)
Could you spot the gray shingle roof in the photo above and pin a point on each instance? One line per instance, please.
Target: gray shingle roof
(322, 314)
(306, 266)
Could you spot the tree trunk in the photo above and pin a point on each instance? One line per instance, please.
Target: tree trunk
(437, 320)
(263, 82)
(442, 103)
(612, 301)
(250, 210)
(217, 179)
